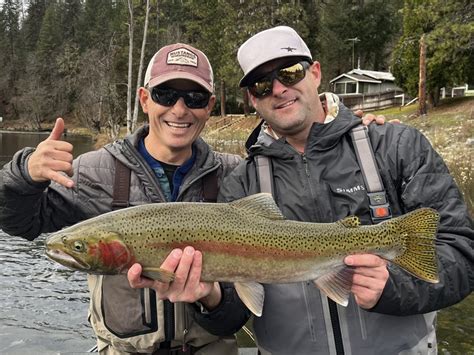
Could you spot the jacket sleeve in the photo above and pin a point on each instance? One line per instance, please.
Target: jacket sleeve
(28, 208)
(231, 314)
(424, 181)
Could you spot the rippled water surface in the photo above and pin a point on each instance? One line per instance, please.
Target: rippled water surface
(43, 305)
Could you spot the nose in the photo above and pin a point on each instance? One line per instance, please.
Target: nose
(277, 87)
(179, 108)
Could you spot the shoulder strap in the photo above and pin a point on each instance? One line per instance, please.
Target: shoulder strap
(378, 203)
(121, 192)
(210, 187)
(265, 174)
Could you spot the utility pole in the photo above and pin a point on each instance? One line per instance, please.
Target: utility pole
(422, 81)
(353, 40)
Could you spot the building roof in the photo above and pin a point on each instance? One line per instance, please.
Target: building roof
(355, 77)
(378, 75)
(369, 76)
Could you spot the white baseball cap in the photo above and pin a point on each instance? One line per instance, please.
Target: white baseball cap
(274, 43)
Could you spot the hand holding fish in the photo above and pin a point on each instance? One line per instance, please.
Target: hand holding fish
(369, 279)
(186, 286)
(51, 158)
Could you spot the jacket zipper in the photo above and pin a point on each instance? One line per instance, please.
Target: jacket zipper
(332, 305)
(187, 185)
(149, 173)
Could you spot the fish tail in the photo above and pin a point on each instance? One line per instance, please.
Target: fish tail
(418, 229)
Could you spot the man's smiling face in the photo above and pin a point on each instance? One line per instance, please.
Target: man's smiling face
(176, 127)
(290, 110)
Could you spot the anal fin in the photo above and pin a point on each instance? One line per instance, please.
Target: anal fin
(252, 295)
(158, 274)
(337, 284)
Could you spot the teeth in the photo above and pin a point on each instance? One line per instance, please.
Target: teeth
(286, 104)
(178, 125)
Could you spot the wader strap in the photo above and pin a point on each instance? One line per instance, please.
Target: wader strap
(209, 187)
(121, 191)
(378, 203)
(265, 174)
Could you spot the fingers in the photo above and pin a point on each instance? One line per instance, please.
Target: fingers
(136, 280)
(58, 130)
(369, 118)
(52, 158)
(368, 260)
(380, 119)
(186, 287)
(181, 274)
(369, 279)
(359, 113)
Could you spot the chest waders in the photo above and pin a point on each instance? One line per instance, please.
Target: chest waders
(121, 196)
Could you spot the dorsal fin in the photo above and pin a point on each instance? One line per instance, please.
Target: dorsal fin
(261, 204)
(350, 222)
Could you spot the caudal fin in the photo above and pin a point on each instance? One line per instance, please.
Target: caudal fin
(419, 230)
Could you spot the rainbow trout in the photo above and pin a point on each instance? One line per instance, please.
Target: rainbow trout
(247, 242)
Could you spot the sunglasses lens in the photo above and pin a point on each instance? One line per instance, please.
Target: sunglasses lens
(168, 97)
(196, 99)
(164, 96)
(261, 88)
(288, 76)
(291, 75)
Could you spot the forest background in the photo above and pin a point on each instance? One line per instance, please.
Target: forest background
(81, 59)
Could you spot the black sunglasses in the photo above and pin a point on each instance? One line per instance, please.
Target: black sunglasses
(167, 96)
(287, 75)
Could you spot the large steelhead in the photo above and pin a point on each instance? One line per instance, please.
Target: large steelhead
(247, 242)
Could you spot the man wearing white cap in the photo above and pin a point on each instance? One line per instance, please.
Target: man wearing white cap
(316, 177)
(44, 189)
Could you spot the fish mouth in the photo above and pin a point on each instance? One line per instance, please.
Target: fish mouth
(66, 259)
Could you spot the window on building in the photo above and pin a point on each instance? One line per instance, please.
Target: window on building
(351, 88)
(340, 88)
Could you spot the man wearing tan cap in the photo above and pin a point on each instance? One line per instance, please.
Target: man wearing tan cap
(318, 177)
(44, 189)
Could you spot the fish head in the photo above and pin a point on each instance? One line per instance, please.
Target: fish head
(95, 252)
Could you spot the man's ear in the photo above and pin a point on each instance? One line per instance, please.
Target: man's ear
(315, 70)
(144, 96)
(252, 98)
(210, 105)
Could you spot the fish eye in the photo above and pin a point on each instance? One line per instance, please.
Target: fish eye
(78, 246)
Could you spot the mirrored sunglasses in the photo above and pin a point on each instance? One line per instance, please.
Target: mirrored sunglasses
(167, 96)
(288, 76)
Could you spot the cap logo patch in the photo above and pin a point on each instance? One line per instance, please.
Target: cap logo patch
(289, 49)
(182, 56)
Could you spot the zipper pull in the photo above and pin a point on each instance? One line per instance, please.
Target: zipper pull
(185, 345)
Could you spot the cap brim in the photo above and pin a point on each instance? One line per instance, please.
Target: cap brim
(180, 75)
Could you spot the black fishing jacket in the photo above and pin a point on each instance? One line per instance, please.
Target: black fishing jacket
(325, 184)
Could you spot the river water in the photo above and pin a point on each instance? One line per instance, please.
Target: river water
(43, 305)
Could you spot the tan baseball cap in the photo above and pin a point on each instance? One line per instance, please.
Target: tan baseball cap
(180, 61)
(274, 43)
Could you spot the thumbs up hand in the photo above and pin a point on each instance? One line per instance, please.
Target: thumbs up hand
(51, 158)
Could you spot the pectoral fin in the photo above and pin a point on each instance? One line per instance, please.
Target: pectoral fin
(337, 284)
(252, 295)
(155, 273)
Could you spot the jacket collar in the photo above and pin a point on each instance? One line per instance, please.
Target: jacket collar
(322, 136)
(204, 160)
